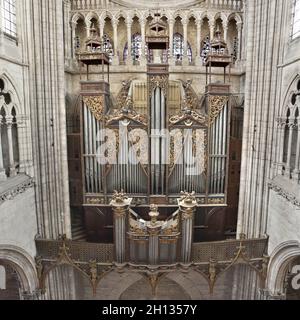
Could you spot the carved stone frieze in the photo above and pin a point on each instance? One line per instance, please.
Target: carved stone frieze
(285, 194)
(16, 190)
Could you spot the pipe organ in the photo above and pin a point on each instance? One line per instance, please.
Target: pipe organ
(159, 138)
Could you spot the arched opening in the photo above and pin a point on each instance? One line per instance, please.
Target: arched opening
(10, 284)
(205, 36)
(233, 40)
(295, 142)
(167, 289)
(136, 48)
(15, 140)
(178, 48)
(286, 139)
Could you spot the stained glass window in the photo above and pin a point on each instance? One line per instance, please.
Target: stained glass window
(136, 48)
(178, 48)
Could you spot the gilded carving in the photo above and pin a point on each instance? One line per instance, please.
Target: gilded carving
(216, 105)
(129, 114)
(96, 105)
(161, 81)
(189, 118)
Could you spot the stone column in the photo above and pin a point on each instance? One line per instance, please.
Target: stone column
(73, 31)
(101, 28)
(143, 34)
(211, 23)
(115, 24)
(281, 122)
(187, 205)
(171, 39)
(120, 206)
(22, 146)
(2, 170)
(289, 157)
(240, 47)
(225, 27)
(296, 173)
(185, 59)
(198, 42)
(88, 28)
(12, 168)
(67, 10)
(129, 57)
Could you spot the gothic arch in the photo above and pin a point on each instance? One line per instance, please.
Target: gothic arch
(23, 264)
(92, 15)
(280, 259)
(291, 88)
(76, 17)
(10, 87)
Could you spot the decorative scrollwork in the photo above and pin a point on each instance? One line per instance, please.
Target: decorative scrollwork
(161, 81)
(189, 118)
(127, 113)
(96, 105)
(216, 105)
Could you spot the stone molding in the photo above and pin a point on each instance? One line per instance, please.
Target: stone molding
(285, 194)
(16, 190)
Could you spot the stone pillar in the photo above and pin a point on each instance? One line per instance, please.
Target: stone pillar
(289, 157)
(143, 34)
(185, 59)
(129, 56)
(198, 42)
(240, 47)
(88, 28)
(296, 173)
(281, 122)
(211, 23)
(120, 206)
(22, 146)
(73, 31)
(225, 27)
(187, 205)
(115, 60)
(2, 170)
(12, 168)
(171, 39)
(67, 10)
(101, 28)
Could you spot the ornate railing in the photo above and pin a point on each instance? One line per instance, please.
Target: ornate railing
(225, 251)
(94, 261)
(81, 252)
(236, 5)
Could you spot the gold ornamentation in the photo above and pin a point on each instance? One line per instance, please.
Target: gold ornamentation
(123, 94)
(96, 105)
(159, 81)
(216, 201)
(189, 118)
(188, 198)
(216, 105)
(119, 197)
(127, 114)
